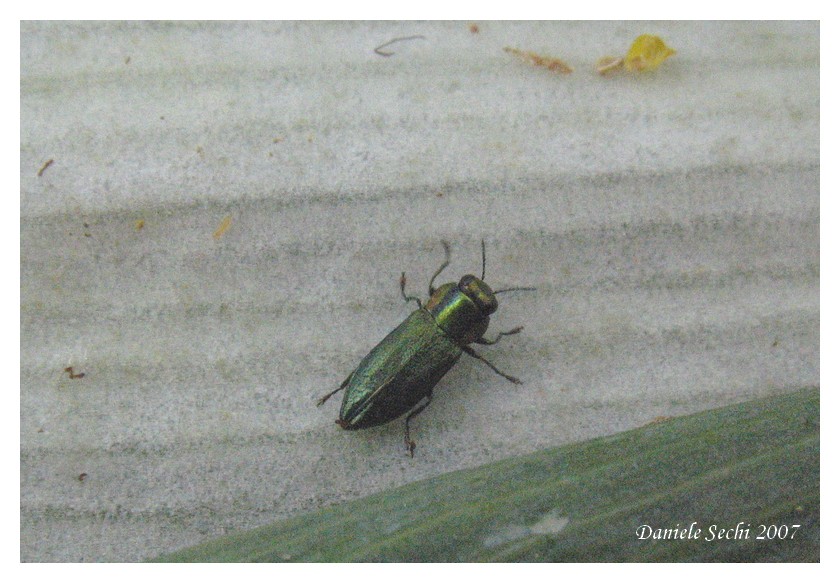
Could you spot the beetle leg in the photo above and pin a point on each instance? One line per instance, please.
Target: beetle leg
(410, 445)
(323, 399)
(440, 269)
(405, 297)
(485, 341)
(474, 354)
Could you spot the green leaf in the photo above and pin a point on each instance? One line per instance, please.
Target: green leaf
(756, 463)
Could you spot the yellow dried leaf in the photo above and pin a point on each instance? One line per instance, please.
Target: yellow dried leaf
(647, 53)
(550, 63)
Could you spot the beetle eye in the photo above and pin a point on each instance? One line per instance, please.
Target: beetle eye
(465, 282)
(480, 293)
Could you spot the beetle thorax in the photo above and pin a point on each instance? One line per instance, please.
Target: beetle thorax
(462, 310)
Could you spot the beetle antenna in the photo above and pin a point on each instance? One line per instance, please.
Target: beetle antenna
(440, 269)
(509, 289)
(482, 260)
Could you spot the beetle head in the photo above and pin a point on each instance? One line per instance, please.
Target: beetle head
(480, 293)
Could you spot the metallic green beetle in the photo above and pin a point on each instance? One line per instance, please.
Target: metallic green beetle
(404, 368)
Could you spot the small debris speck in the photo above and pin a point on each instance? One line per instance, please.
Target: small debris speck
(378, 50)
(550, 63)
(69, 370)
(46, 165)
(223, 227)
(608, 64)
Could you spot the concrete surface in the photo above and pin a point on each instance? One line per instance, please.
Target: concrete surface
(670, 222)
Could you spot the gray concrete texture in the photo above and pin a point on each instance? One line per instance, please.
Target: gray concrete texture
(669, 220)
